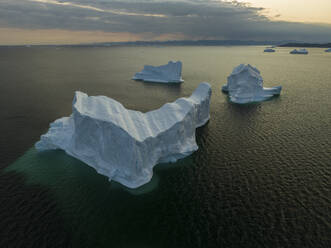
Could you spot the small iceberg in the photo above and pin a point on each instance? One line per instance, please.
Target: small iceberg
(245, 85)
(169, 73)
(125, 145)
(328, 50)
(300, 51)
(269, 50)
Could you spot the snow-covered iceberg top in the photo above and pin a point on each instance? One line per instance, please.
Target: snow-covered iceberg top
(123, 144)
(328, 50)
(245, 85)
(300, 51)
(269, 50)
(169, 73)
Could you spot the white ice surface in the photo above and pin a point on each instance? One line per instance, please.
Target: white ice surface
(300, 51)
(169, 73)
(123, 144)
(245, 85)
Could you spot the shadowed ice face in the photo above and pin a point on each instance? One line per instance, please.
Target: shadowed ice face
(245, 81)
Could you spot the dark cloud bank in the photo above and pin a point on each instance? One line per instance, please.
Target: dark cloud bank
(195, 19)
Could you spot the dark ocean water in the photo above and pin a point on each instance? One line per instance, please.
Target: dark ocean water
(261, 176)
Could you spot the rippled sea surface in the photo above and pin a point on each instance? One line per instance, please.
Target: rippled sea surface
(261, 176)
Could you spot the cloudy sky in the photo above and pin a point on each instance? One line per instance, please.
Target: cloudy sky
(81, 21)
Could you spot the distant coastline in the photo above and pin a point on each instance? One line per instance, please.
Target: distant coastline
(324, 45)
(165, 43)
(286, 43)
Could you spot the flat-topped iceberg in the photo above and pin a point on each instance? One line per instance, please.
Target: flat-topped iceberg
(269, 50)
(328, 50)
(169, 73)
(123, 144)
(300, 51)
(245, 85)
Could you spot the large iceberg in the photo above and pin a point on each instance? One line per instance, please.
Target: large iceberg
(169, 73)
(328, 50)
(123, 144)
(245, 85)
(300, 51)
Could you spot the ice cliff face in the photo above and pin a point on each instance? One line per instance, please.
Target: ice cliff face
(245, 85)
(169, 73)
(300, 51)
(123, 144)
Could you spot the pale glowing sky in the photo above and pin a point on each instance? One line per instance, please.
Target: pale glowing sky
(296, 10)
(86, 21)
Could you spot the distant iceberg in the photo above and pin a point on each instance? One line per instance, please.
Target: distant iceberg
(123, 144)
(245, 85)
(328, 50)
(269, 50)
(300, 51)
(169, 73)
